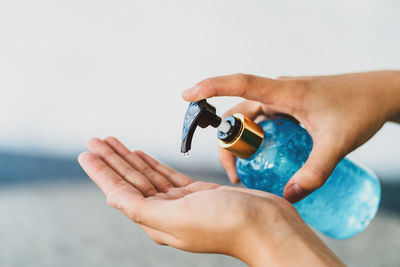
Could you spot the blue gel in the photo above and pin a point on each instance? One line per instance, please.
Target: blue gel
(341, 208)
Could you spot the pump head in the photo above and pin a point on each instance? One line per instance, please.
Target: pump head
(236, 133)
(198, 114)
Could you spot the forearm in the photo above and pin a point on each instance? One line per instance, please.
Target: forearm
(297, 247)
(390, 84)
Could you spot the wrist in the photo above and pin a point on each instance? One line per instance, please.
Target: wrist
(289, 242)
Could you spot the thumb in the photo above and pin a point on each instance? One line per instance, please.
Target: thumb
(314, 173)
(244, 85)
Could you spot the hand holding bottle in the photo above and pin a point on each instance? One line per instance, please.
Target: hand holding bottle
(340, 112)
(259, 228)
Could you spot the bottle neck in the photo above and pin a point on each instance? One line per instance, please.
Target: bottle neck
(243, 138)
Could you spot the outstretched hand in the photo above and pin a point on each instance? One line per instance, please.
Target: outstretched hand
(177, 211)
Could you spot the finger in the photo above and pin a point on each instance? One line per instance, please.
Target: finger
(176, 178)
(123, 168)
(105, 177)
(156, 178)
(314, 173)
(152, 212)
(247, 86)
(250, 109)
(227, 160)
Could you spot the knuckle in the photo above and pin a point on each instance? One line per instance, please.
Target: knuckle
(317, 177)
(99, 169)
(150, 191)
(246, 82)
(165, 186)
(147, 171)
(150, 174)
(318, 183)
(133, 155)
(161, 183)
(109, 155)
(242, 77)
(302, 83)
(121, 183)
(129, 171)
(153, 176)
(168, 172)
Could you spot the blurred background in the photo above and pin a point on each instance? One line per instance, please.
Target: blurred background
(70, 70)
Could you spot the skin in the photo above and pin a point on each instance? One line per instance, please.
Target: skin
(256, 227)
(340, 112)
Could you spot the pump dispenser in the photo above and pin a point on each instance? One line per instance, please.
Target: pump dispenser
(198, 114)
(268, 154)
(236, 133)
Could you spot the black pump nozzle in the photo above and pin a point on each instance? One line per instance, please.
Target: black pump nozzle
(198, 113)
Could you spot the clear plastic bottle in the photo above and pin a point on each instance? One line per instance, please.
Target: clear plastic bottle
(341, 208)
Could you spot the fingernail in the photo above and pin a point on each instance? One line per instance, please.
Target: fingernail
(113, 201)
(294, 193)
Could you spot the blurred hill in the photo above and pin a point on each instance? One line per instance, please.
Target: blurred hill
(27, 169)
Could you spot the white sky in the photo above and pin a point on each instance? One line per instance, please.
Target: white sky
(74, 69)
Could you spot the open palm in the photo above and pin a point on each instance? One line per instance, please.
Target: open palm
(174, 209)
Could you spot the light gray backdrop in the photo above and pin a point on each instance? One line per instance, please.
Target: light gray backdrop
(74, 69)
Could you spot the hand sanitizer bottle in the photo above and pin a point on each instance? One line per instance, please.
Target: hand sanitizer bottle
(269, 153)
